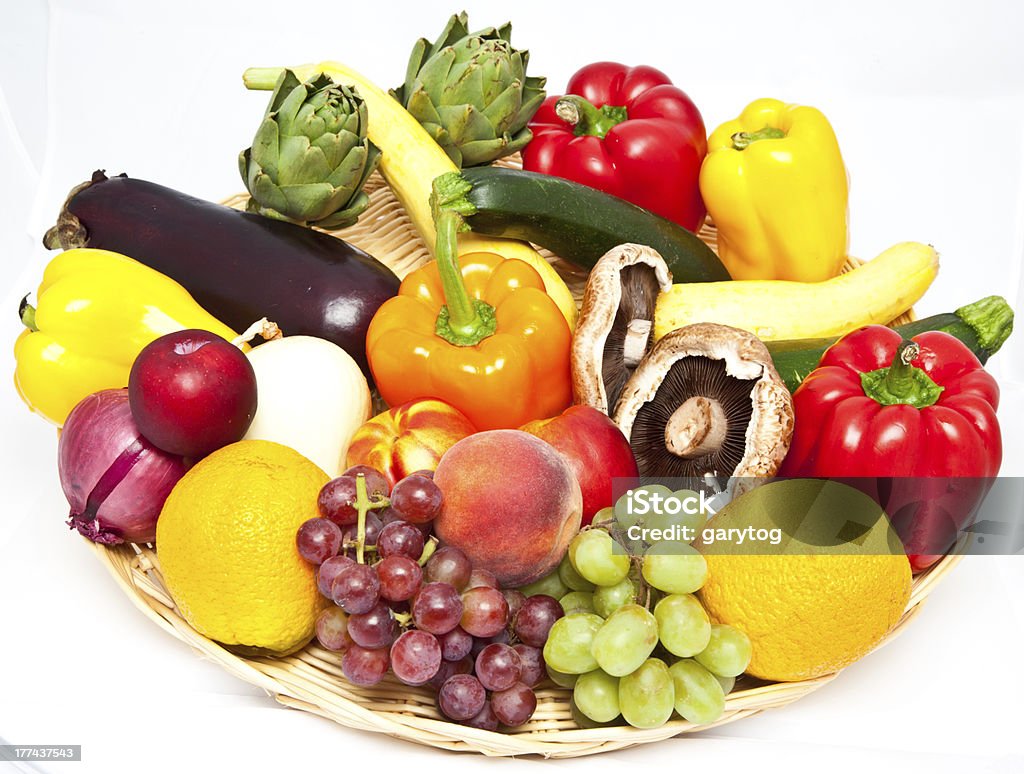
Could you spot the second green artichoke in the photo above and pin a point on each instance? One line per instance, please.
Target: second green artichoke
(470, 91)
(310, 158)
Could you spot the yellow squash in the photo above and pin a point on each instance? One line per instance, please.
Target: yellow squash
(409, 161)
(875, 293)
(94, 313)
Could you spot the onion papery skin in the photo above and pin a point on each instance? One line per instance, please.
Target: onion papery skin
(102, 454)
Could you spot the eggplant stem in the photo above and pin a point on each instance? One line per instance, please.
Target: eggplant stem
(263, 328)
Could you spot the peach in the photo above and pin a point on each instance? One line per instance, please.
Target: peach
(511, 503)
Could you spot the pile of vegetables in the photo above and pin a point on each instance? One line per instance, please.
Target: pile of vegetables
(759, 359)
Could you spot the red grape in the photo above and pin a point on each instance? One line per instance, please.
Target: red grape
(328, 571)
(437, 608)
(531, 660)
(356, 588)
(332, 629)
(461, 697)
(515, 599)
(400, 538)
(363, 666)
(400, 577)
(485, 719)
(318, 540)
(424, 472)
(535, 619)
(463, 666)
(456, 644)
(337, 499)
(498, 667)
(371, 533)
(481, 577)
(374, 628)
(484, 611)
(479, 643)
(417, 498)
(514, 706)
(415, 657)
(377, 486)
(449, 565)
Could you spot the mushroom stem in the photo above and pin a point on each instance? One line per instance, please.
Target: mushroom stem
(696, 428)
(634, 347)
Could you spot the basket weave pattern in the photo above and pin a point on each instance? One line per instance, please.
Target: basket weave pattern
(312, 680)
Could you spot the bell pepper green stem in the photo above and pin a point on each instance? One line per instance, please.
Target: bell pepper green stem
(991, 319)
(586, 119)
(742, 140)
(27, 313)
(463, 321)
(901, 383)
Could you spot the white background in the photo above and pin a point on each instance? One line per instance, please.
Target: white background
(928, 101)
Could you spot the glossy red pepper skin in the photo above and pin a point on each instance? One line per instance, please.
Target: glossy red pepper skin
(928, 467)
(652, 158)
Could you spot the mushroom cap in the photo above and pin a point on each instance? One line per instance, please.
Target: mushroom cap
(615, 294)
(735, 353)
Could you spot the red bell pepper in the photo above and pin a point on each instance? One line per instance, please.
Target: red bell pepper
(912, 422)
(629, 132)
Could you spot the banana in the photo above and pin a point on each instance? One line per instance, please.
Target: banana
(876, 292)
(409, 161)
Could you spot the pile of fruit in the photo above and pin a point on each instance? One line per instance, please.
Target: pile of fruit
(627, 498)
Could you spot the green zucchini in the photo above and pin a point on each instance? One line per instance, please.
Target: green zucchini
(983, 326)
(576, 222)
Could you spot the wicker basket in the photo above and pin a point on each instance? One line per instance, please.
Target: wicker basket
(312, 680)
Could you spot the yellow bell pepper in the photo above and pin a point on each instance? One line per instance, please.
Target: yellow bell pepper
(95, 311)
(775, 185)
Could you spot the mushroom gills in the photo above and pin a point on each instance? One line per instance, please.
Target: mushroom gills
(630, 336)
(704, 431)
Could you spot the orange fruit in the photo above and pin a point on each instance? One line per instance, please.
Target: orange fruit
(226, 544)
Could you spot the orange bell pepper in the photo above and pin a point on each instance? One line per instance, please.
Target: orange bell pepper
(484, 337)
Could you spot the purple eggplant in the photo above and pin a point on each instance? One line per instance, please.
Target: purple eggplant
(239, 266)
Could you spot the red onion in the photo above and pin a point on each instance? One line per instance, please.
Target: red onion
(114, 479)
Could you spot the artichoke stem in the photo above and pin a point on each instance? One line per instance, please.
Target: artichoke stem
(261, 78)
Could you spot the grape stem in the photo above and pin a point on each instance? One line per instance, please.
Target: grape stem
(363, 506)
(428, 551)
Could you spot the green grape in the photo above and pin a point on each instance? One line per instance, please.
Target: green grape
(727, 653)
(640, 497)
(597, 696)
(581, 720)
(627, 638)
(550, 585)
(699, 696)
(603, 515)
(561, 679)
(598, 558)
(677, 568)
(683, 625)
(727, 683)
(568, 646)
(647, 696)
(608, 599)
(571, 579)
(578, 602)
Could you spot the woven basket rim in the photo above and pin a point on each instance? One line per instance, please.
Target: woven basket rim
(310, 680)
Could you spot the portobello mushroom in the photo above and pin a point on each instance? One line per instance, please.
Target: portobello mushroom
(614, 329)
(707, 400)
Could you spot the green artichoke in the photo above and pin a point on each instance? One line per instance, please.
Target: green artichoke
(310, 157)
(470, 91)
